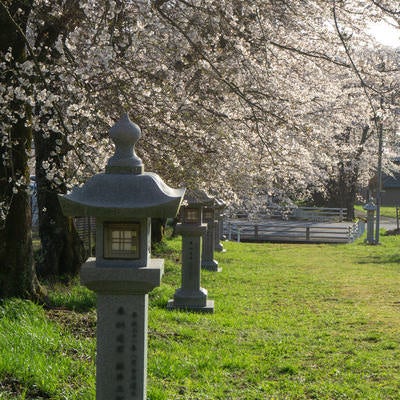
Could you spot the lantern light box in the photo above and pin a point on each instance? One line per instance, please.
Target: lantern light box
(121, 240)
(191, 215)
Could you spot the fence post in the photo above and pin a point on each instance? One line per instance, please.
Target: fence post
(361, 228)
(229, 231)
(256, 232)
(307, 232)
(238, 234)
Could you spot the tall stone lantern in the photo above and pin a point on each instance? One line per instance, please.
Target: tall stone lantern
(191, 296)
(123, 200)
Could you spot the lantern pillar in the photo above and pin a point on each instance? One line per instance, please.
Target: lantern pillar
(191, 296)
(370, 208)
(208, 261)
(219, 229)
(122, 320)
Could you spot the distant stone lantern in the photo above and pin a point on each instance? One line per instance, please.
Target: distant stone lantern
(191, 214)
(219, 231)
(370, 208)
(208, 261)
(123, 200)
(191, 296)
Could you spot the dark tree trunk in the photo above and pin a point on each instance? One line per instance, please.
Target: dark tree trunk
(342, 188)
(157, 230)
(62, 251)
(17, 273)
(342, 194)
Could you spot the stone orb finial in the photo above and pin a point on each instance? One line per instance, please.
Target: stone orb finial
(125, 134)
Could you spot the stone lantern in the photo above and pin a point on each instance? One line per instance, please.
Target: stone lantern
(209, 218)
(370, 208)
(123, 200)
(191, 296)
(219, 231)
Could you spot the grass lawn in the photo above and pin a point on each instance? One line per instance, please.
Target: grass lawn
(384, 211)
(291, 321)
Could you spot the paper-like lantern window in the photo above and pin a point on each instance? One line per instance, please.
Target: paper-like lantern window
(121, 240)
(191, 215)
(208, 214)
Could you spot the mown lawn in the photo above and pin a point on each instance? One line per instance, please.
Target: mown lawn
(385, 211)
(291, 322)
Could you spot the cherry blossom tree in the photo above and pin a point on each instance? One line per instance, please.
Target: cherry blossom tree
(313, 66)
(240, 98)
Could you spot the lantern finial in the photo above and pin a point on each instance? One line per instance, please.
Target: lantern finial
(125, 134)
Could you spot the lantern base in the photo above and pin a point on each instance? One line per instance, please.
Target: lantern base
(207, 308)
(122, 281)
(211, 266)
(220, 248)
(196, 298)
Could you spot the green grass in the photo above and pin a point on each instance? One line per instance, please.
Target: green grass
(291, 322)
(384, 211)
(388, 212)
(40, 358)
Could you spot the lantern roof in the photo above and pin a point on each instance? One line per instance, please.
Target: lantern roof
(219, 203)
(198, 198)
(124, 190)
(370, 206)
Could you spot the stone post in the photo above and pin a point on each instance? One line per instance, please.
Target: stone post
(219, 230)
(370, 208)
(191, 296)
(122, 315)
(208, 261)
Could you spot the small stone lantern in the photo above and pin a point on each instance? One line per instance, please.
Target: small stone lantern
(208, 261)
(191, 296)
(219, 231)
(370, 208)
(123, 200)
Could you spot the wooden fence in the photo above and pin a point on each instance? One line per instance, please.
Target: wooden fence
(293, 232)
(315, 214)
(86, 227)
(319, 214)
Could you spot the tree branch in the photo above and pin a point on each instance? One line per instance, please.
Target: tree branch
(353, 65)
(311, 54)
(386, 9)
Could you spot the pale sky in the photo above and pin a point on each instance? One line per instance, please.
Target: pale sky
(385, 34)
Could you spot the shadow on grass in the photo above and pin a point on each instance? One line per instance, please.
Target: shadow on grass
(70, 296)
(10, 386)
(382, 259)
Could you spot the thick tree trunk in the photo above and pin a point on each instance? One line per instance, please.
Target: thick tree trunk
(342, 193)
(62, 250)
(345, 198)
(342, 188)
(157, 230)
(17, 273)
